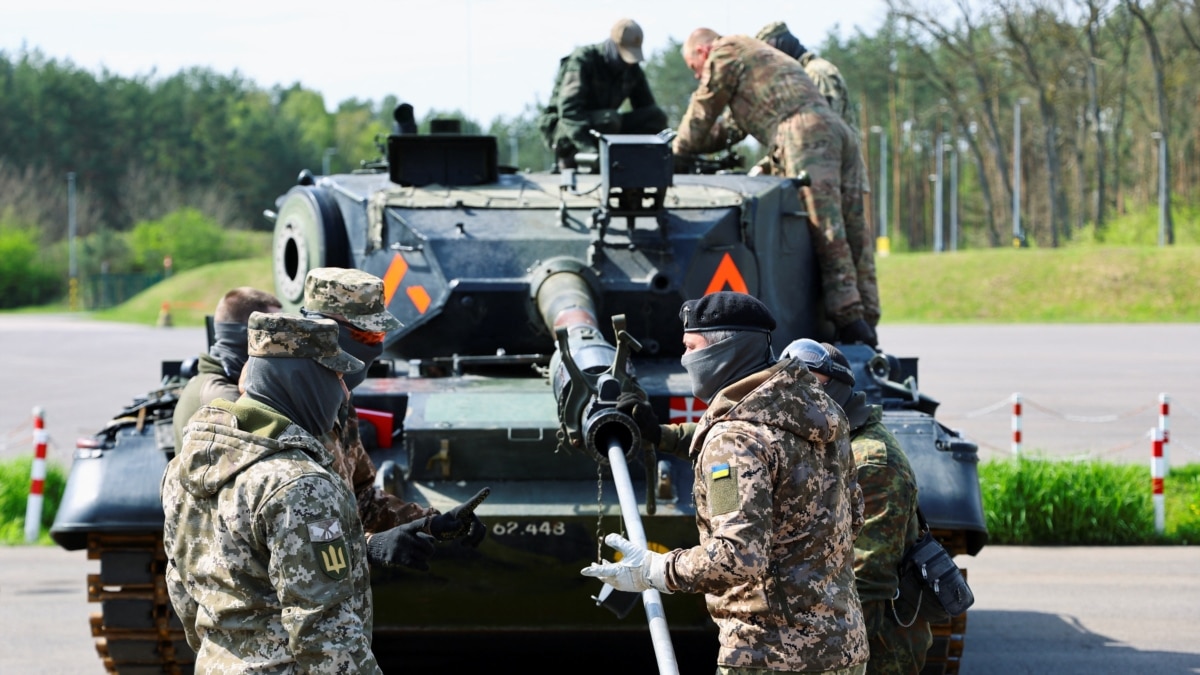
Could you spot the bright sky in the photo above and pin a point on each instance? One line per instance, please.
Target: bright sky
(484, 57)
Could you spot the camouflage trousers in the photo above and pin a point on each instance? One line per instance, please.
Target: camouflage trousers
(819, 143)
(895, 650)
(852, 670)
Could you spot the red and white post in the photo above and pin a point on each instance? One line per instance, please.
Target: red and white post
(1016, 425)
(37, 481)
(1157, 471)
(1164, 414)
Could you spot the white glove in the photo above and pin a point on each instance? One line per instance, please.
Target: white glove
(639, 570)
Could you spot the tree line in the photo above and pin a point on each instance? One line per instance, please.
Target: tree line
(1101, 87)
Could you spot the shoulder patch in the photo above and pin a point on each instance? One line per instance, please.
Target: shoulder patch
(722, 490)
(329, 545)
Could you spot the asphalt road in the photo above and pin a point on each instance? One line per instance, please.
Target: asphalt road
(1089, 390)
(1085, 611)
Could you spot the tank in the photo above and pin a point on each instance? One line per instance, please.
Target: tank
(527, 301)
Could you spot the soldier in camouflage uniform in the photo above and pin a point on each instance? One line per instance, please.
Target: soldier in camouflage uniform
(824, 74)
(220, 367)
(266, 559)
(591, 85)
(898, 643)
(776, 500)
(398, 532)
(770, 97)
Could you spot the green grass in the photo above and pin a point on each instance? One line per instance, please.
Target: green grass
(14, 498)
(192, 295)
(1080, 284)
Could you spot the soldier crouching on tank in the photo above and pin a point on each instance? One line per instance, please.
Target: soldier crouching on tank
(399, 533)
(221, 366)
(591, 85)
(266, 558)
(777, 503)
(889, 485)
(770, 97)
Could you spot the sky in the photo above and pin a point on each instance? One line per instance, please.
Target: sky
(487, 58)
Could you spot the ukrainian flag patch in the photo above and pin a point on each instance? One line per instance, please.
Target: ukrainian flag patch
(723, 494)
(720, 471)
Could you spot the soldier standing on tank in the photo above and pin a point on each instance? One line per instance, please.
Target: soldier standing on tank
(777, 505)
(266, 558)
(221, 366)
(399, 533)
(898, 643)
(832, 86)
(770, 97)
(591, 85)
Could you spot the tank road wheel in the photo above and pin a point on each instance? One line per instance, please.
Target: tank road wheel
(309, 233)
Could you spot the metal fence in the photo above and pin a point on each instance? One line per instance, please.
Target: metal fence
(108, 290)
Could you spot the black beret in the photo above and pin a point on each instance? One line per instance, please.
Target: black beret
(726, 310)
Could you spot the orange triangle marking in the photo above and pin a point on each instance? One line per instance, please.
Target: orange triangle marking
(727, 274)
(392, 278)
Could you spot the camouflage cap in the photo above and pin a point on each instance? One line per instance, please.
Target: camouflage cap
(628, 36)
(353, 294)
(772, 30)
(297, 337)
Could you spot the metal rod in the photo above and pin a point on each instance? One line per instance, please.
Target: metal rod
(660, 635)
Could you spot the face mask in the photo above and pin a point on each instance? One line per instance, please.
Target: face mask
(365, 353)
(716, 366)
(853, 404)
(302, 390)
(230, 347)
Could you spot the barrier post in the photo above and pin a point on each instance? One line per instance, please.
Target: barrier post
(1016, 425)
(37, 481)
(1156, 479)
(1164, 413)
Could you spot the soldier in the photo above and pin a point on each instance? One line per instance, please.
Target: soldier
(592, 83)
(770, 97)
(776, 503)
(266, 559)
(220, 368)
(398, 532)
(898, 643)
(824, 74)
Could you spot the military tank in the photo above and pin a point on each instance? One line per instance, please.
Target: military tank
(525, 298)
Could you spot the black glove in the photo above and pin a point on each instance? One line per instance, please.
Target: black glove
(461, 521)
(404, 545)
(858, 331)
(634, 404)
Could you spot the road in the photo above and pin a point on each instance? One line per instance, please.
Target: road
(1085, 611)
(1089, 390)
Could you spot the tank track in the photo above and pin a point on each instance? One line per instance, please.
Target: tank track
(136, 630)
(946, 652)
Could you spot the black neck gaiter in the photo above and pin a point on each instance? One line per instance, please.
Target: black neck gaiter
(854, 404)
(302, 390)
(230, 347)
(365, 353)
(719, 365)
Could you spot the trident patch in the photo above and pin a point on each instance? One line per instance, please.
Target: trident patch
(329, 544)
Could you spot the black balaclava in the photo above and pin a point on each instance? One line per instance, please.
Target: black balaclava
(230, 347)
(303, 390)
(365, 353)
(852, 403)
(788, 44)
(723, 363)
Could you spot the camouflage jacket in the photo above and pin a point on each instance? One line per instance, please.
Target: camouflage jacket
(587, 84)
(889, 489)
(759, 84)
(266, 559)
(377, 509)
(777, 506)
(209, 384)
(829, 82)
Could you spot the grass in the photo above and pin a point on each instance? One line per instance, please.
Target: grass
(192, 295)
(1027, 501)
(1080, 284)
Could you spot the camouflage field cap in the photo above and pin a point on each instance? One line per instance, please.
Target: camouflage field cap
(293, 336)
(772, 30)
(354, 294)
